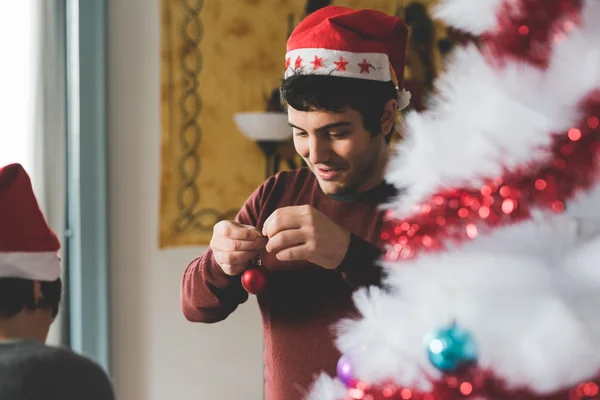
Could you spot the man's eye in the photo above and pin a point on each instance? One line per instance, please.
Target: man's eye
(339, 135)
(300, 133)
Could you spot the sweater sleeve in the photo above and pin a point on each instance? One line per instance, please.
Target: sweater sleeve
(359, 266)
(208, 294)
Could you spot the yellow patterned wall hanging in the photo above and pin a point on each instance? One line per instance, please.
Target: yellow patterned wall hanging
(218, 58)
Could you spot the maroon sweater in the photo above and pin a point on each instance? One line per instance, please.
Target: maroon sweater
(303, 301)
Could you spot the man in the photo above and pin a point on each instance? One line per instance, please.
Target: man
(30, 292)
(314, 229)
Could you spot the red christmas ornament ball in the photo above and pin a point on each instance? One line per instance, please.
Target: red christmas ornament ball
(254, 280)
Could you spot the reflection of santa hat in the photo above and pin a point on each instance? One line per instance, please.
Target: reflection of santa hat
(338, 41)
(28, 247)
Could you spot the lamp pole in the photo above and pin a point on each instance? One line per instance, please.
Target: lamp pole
(272, 157)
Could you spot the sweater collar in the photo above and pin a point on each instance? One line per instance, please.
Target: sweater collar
(379, 193)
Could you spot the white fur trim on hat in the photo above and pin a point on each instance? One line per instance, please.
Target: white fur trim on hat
(317, 61)
(43, 266)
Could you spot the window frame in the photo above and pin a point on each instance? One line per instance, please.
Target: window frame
(87, 201)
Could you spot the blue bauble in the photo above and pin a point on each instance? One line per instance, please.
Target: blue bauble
(451, 348)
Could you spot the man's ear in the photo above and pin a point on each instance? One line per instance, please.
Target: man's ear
(389, 116)
(37, 292)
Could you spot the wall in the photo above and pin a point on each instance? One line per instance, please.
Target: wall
(156, 353)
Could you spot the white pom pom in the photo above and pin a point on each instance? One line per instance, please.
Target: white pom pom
(403, 98)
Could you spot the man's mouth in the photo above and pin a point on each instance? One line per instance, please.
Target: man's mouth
(328, 173)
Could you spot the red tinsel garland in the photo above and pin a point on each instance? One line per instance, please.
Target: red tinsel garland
(474, 385)
(461, 214)
(527, 29)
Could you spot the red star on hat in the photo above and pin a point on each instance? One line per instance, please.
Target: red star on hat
(364, 66)
(317, 62)
(287, 62)
(298, 63)
(341, 65)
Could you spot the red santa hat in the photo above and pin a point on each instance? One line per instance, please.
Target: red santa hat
(28, 247)
(339, 41)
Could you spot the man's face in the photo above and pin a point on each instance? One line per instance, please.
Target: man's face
(341, 153)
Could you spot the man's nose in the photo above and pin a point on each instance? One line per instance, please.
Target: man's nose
(319, 151)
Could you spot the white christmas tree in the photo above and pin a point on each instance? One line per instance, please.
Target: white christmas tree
(493, 261)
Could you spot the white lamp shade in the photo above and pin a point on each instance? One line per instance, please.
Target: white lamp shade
(264, 126)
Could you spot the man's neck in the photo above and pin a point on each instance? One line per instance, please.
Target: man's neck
(20, 327)
(378, 174)
(357, 196)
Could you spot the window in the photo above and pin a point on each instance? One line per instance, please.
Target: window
(39, 97)
(31, 113)
(17, 82)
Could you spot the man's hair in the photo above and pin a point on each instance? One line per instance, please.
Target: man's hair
(337, 94)
(17, 294)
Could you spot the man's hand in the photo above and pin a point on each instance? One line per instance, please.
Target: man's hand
(304, 233)
(234, 244)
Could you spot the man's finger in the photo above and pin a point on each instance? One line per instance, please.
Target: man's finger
(233, 257)
(226, 244)
(282, 219)
(296, 253)
(234, 230)
(233, 270)
(249, 227)
(286, 239)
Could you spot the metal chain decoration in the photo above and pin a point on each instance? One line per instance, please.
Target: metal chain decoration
(190, 134)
